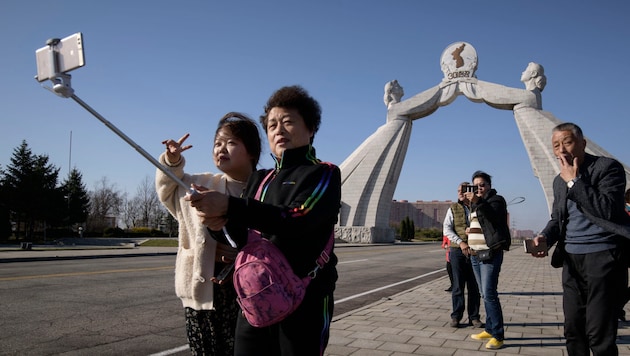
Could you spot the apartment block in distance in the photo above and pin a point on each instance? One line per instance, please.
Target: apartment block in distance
(430, 214)
(425, 214)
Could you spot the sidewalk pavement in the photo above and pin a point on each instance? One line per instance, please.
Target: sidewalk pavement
(416, 321)
(46, 252)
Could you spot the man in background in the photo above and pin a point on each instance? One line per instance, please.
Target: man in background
(454, 228)
(588, 218)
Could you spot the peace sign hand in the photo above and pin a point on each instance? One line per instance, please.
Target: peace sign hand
(174, 148)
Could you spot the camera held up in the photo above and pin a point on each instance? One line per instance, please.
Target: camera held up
(469, 189)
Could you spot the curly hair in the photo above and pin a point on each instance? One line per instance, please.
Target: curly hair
(295, 97)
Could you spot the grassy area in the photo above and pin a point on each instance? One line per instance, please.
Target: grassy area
(160, 243)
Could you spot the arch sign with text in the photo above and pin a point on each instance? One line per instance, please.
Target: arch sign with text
(370, 174)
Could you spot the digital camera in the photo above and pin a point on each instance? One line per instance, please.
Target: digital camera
(469, 188)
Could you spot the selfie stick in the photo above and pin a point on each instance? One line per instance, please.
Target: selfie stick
(62, 87)
(146, 155)
(133, 144)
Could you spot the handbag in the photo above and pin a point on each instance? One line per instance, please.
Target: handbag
(484, 255)
(267, 288)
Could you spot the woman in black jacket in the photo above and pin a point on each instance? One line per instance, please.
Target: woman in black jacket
(297, 211)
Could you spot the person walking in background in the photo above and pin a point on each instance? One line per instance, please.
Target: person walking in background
(454, 229)
(449, 268)
(589, 221)
(298, 211)
(210, 308)
(488, 237)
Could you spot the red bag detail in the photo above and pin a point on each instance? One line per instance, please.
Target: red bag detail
(267, 289)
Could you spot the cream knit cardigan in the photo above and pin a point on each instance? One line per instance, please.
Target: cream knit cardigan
(194, 265)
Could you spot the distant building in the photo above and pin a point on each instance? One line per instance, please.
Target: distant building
(430, 214)
(425, 214)
(523, 234)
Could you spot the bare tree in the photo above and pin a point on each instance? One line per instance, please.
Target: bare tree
(130, 213)
(149, 205)
(105, 205)
(169, 224)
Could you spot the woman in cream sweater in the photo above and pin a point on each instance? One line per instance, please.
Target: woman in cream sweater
(210, 308)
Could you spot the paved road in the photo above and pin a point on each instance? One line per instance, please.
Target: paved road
(95, 301)
(415, 321)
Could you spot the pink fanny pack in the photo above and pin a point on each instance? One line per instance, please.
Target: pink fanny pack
(267, 288)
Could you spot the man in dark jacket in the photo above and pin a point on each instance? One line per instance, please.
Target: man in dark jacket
(454, 229)
(589, 221)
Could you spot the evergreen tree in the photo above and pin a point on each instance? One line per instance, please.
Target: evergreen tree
(78, 201)
(404, 229)
(30, 191)
(407, 229)
(5, 214)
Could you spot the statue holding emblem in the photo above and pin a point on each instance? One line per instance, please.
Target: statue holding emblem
(371, 172)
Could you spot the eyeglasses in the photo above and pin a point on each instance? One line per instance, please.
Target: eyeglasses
(481, 185)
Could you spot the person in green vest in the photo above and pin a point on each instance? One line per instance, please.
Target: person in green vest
(454, 228)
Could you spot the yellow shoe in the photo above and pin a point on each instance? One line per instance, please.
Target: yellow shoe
(494, 344)
(481, 336)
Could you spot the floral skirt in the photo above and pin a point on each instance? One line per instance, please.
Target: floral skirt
(211, 332)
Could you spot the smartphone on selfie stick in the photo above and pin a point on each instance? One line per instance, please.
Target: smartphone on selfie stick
(61, 56)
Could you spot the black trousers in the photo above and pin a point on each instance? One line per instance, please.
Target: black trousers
(591, 300)
(463, 277)
(303, 333)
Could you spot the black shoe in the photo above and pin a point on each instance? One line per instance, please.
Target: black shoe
(476, 323)
(454, 323)
(449, 289)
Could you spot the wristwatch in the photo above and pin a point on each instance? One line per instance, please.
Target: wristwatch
(572, 182)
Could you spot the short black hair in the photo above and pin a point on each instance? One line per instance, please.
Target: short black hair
(483, 175)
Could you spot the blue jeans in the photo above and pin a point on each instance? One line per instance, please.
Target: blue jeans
(463, 277)
(487, 276)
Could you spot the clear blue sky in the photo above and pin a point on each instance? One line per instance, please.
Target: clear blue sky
(159, 69)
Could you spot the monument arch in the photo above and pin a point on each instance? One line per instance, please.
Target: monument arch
(370, 174)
